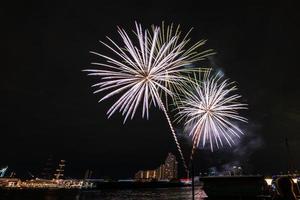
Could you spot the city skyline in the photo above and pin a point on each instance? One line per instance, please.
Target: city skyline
(167, 170)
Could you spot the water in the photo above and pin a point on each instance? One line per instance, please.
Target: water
(183, 193)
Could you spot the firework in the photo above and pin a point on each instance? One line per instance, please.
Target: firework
(139, 73)
(191, 55)
(209, 108)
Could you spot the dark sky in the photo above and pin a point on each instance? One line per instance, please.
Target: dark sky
(47, 106)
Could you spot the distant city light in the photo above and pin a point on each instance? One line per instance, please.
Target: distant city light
(269, 181)
(295, 180)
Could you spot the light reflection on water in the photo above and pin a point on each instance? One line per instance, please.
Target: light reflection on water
(136, 194)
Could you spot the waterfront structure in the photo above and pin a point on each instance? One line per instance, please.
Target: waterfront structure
(48, 171)
(160, 172)
(88, 174)
(170, 167)
(60, 170)
(9, 182)
(237, 171)
(146, 174)
(46, 184)
(2, 171)
(167, 170)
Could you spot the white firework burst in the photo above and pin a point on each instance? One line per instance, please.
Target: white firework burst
(209, 108)
(140, 72)
(145, 70)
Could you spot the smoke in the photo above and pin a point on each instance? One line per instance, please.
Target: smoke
(239, 155)
(250, 142)
(230, 168)
(213, 62)
(245, 145)
(226, 156)
(223, 160)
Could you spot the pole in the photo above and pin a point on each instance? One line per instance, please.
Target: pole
(193, 181)
(290, 163)
(193, 170)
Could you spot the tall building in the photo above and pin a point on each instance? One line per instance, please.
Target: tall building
(168, 170)
(170, 167)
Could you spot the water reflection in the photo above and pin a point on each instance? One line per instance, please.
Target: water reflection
(138, 194)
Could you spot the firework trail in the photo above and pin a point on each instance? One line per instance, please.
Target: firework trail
(140, 73)
(209, 107)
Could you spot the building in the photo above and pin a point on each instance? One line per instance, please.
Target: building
(146, 174)
(170, 167)
(160, 172)
(168, 170)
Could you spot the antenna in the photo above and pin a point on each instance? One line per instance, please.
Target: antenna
(290, 164)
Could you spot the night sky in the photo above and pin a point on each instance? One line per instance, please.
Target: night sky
(47, 106)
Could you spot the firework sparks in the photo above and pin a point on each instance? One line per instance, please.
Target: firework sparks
(209, 108)
(141, 73)
(191, 55)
